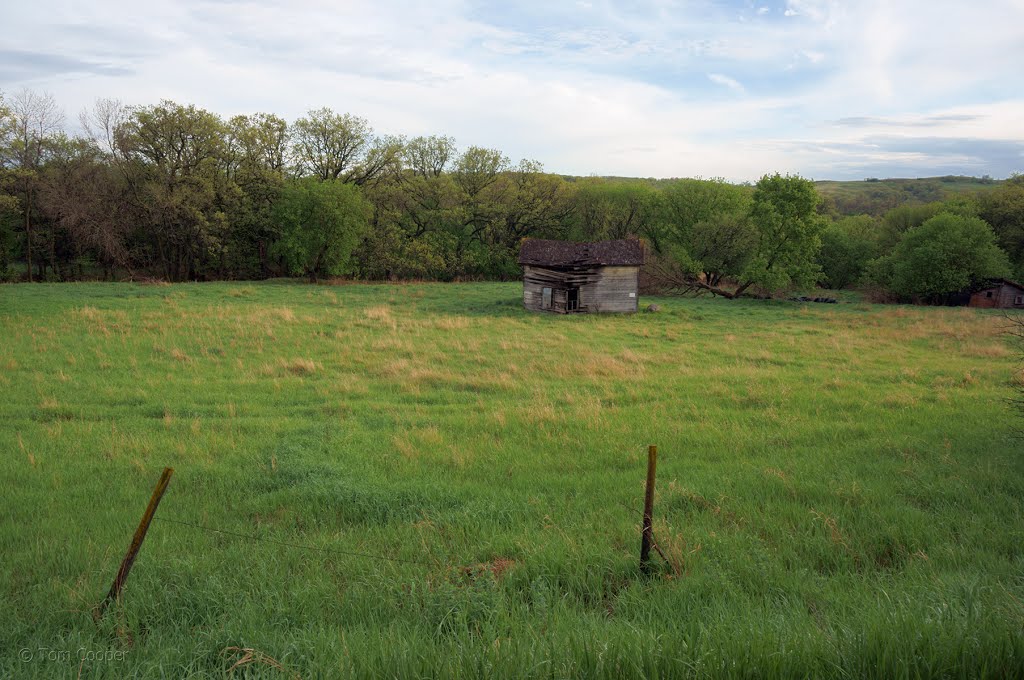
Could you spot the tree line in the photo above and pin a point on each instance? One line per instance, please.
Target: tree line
(176, 192)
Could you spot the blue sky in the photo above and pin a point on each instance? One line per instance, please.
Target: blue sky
(827, 89)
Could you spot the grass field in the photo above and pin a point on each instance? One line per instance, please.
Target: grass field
(840, 492)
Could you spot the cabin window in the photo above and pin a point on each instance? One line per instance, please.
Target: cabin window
(1019, 300)
(572, 301)
(545, 298)
(988, 294)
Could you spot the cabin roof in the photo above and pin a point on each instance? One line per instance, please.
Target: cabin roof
(542, 252)
(995, 283)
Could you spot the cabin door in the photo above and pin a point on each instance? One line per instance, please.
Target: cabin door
(572, 302)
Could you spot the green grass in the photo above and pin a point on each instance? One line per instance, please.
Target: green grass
(839, 487)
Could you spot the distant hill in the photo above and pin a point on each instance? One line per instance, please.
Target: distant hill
(877, 196)
(869, 196)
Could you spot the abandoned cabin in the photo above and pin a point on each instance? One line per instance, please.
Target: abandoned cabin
(569, 278)
(1000, 294)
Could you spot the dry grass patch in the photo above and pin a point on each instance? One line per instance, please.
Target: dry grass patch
(835, 534)
(593, 365)
(631, 357)
(270, 315)
(901, 399)
(87, 313)
(430, 377)
(835, 384)
(541, 412)
(451, 323)
(178, 355)
(412, 444)
(993, 350)
(393, 368)
(516, 345)
(100, 321)
(392, 343)
(910, 374)
(378, 313)
(297, 366)
(495, 569)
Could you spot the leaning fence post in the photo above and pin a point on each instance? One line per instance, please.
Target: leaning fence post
(136, 544)
(645, 541)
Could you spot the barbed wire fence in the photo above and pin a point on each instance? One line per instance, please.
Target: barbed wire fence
(149, 515)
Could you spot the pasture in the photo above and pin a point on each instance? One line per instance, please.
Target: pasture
(840, 490)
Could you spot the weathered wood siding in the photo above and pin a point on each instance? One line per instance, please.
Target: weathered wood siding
(1001, 297)
(602, 289)
(615, 290)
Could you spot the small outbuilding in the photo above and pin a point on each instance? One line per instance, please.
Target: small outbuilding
(999, 294)
(570, 278)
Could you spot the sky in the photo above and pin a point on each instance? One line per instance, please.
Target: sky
(649, 88)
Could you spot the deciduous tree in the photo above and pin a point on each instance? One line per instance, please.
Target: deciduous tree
(173, 161)
(37, 120)
(788, 234)
(320, 224)
(947, 254)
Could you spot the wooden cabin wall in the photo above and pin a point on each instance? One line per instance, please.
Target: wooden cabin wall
(610, 292)
(602, 289)
(1003, 297)
(536, 279)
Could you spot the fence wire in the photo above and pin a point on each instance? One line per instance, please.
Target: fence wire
(299, 546)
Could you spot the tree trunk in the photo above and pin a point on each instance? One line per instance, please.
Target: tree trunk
(53, 252)
(28, 237)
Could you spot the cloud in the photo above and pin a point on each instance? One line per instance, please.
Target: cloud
(728, 82)
(654, 88)
(24, 65)
(914, 121)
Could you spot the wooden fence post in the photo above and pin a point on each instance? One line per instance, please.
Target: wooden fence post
(645, 541)
(136, 544)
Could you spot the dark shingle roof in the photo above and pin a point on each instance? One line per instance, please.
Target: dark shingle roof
(536, 251)
(998, 281)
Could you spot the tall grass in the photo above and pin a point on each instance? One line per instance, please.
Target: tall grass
(840, 492)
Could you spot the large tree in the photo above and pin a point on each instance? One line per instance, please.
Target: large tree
(788, 234)
(429, 156)
(610, 209)
(704, 237)
(524, 202)
(255, 160)
(8, 202)
(1003, 209)
(947, 254)
(320, 225)
(87, 207)
(173, 158)
(34, 123)
(847, 246)
(340, 146)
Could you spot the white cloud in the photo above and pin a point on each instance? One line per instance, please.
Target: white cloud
(728, 82)
(585, 87)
